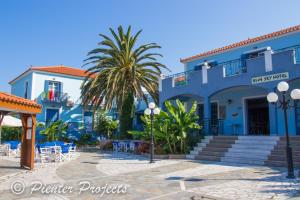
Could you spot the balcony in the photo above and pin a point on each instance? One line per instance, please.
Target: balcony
(230, 74)
(234, 67)
(56, 97)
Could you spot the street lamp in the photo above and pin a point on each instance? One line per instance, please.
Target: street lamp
(151, 110)
(284, 103)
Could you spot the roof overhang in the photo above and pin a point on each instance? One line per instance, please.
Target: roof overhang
(11, 103)
(250, 41)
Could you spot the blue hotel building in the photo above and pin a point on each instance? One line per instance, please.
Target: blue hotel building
(230, 85)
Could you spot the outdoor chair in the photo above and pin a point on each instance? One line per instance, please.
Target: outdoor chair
(116, 146)
(13, 148)
(45, 154)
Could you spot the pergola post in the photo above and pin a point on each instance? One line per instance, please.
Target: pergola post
(1, 119)
(28, 141)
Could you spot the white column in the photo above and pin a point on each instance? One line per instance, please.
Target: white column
(204, 74)
(268, 60)
(162, 76)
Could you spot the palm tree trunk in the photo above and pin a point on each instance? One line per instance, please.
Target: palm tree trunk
(126, 116)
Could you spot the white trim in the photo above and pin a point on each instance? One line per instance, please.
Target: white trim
(43, 72)
(245, 118)
(33, 86)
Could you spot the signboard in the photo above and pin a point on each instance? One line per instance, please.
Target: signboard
(269, 78)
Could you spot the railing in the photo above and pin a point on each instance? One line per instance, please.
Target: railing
(180, 79)
(295, 48)
(212, 126)
(234, 67)
(56, 97)
(230, 68)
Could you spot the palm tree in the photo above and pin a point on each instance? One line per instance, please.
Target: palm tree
(119, 70)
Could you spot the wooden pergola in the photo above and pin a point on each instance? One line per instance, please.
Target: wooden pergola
(27, 110)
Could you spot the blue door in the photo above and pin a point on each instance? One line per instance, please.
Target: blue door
(52, 115)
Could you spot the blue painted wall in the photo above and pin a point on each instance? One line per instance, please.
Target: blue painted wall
(220, 88)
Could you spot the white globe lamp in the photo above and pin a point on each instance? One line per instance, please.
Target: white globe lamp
(283, 86)
(295, 94)
(147, 111)
(156, 111)
(151, 105)
(272, 97)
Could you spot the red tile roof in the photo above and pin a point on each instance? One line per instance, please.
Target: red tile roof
(243, 43)
(17, 100)
(57, 70)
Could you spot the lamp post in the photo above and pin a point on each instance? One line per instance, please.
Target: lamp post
(151, 110)
(284, 103)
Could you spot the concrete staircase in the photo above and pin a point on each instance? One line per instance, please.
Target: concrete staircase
(197, 149)
(277, 158)
(215, 149)
(253, 150)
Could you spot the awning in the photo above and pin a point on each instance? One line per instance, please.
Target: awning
(11, 121)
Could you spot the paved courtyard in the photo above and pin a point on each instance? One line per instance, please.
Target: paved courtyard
(91, 174)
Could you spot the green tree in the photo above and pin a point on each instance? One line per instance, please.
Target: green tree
(182, 120)
(104, 124)
(171, 128)
(119, 70)
(54, 131)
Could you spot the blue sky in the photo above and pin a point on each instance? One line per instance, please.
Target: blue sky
(53, 32)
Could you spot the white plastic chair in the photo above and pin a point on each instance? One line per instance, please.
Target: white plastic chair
(45, 154)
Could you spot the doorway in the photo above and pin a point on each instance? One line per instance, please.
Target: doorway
(258, 116)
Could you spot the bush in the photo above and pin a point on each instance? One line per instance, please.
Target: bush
(11, 133)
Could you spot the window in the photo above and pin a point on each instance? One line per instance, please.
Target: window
(53, 90)
(88, 121)
(26, 90)
(297, 55)
(52, 115)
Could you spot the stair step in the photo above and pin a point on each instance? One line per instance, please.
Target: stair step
(209, 158)
(242, 161)
(280, 163)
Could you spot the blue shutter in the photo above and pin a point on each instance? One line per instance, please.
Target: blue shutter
(46, 88)
(61, 88)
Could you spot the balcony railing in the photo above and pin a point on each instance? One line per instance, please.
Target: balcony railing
(56, 97)
(234, 67)
(212, 126)
(180, 78)
(295, 48)
(230, 68)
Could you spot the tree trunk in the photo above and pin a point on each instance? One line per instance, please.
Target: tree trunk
(126, 117)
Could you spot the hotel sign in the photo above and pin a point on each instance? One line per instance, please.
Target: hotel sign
(269, 78)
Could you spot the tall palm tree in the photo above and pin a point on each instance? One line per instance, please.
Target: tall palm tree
(119, 70)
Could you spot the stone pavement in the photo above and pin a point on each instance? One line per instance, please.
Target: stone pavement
(164, 180)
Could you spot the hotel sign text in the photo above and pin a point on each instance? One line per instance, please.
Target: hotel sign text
(268, 78)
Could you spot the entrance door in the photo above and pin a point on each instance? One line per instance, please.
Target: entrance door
(258, 116)
(297, 114)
